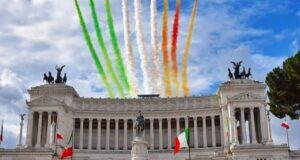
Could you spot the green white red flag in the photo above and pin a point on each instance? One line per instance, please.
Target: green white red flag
(68, 151)
(182, 140)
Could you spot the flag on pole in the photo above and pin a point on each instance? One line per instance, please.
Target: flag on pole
(68, 151)
(1, 133)
(181, 141)
(58, 135)
(285, 125)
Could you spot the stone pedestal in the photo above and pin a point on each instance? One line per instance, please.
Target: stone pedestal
(139, 149)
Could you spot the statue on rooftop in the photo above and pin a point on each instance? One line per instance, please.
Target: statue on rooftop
(59, 79)
(237, 69)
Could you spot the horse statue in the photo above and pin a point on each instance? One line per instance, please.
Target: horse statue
(49, 79)
(248, 74)
(237, 69)
(59, 79)
(230, 75)
(243, 74)
(140, 124)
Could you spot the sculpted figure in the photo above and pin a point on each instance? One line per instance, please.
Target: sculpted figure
(237, 69)
(58, 75)
(140, 124)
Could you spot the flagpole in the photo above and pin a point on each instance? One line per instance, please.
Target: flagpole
(287, 134)
(189, 140)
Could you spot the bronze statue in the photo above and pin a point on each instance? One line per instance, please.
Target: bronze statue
(22, 116)
(243, 74)
(230, 75)
(140, 124)
(248, 74)
(49, 79)
(65, 78)
(58, 75)
(237, 69)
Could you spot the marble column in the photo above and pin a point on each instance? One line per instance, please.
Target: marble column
(253, 132)
(151, 135)
(235, 138)
(107, 133)
(222, 130)
(186, 122)
(99, 135)
(263, 125)
(160, 134)
(133, 129)
(213, 130)
(39, 134)
(177, 126)
(169, 133)
(90, 133)
(244, 136)
(195, 132)
(20, 134)
(81, 134)
(270, 140)
(116, 134)
(29, 129)
(204, 132)
(125, 134)
(48, 143)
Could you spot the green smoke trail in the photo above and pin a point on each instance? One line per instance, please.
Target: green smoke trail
(93, 51)
(104, 50)
(115, 45)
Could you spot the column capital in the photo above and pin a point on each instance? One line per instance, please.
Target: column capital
(169, 119)
(91, 119)
(195, 118)
(212, 116)
(116, 119)
(99, 119)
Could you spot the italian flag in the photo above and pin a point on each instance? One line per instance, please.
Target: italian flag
(182, 140)
(285, 125)
(68, 151)
(58, 134)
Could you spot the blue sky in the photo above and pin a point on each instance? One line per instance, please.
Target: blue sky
(36, 35)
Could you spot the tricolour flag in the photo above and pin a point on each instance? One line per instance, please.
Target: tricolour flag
(58, 134)
(1, 133)
(285, 125)
(182, 140)
(68, 151)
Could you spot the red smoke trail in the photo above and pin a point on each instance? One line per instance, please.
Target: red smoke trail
(174, 46)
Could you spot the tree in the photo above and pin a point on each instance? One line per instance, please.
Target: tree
(284, 88)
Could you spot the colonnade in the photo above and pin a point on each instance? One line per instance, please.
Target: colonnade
(117, 133)
(247, 125)
(38, 129)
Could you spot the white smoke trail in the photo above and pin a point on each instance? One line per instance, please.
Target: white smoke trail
(155, 60)
(128, 49)
(142, 49)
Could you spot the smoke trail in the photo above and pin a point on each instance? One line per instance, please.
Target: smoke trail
(185, 86)
(142, 48)
(128, 49)
(115, 45)
(104, 50)
(165, 50)
(174, 46)
(93, 51)
(155, 60)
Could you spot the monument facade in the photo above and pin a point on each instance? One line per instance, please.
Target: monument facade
(233, 124)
